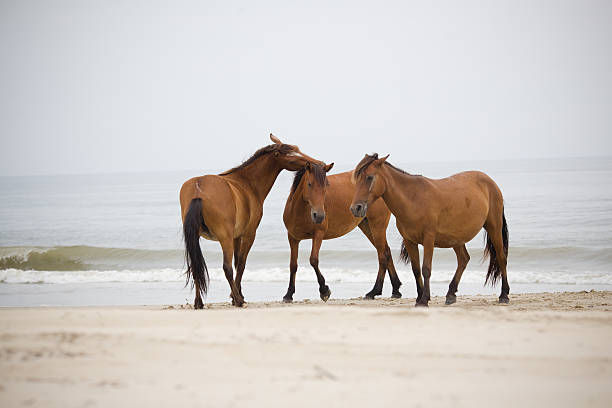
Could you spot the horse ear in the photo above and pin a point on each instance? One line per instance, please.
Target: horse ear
(375, 156)
(329, 167)
(384, 159)
(380, 161)
(275, 139)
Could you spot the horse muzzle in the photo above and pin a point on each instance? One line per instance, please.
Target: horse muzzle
(317, 216)
(359, 209)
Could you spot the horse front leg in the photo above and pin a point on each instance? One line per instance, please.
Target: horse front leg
(428, 248)
(413, 257)
(382, 259)
(395, 280)
(317, 239)
(294, 244)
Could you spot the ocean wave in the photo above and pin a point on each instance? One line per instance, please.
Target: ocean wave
(77, 264)
(75, 258)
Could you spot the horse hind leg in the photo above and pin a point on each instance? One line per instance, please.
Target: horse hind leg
(246, 242)
(462, 260)
(227, 246)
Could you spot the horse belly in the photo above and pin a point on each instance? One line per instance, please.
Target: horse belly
(461, 227)
(339, 231)
(340, 222)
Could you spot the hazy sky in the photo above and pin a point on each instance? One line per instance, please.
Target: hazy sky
(106, 86)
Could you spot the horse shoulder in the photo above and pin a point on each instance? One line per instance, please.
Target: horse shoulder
(296, 217)
(340, 220)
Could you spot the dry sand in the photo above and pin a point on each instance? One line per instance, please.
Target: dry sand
(541, 350)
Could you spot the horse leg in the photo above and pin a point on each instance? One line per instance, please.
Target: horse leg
(413, 253)
(228, 250)
(382, 260)
(428, 248)
(236, 256)
(462, 260)
(294, 244)
(395, 281)
(243, 251)
(324, 291)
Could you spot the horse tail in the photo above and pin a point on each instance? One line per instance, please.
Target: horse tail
(494, 271)
(196, 266)
(404, 255)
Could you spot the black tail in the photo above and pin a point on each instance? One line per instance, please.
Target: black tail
(404, 255)
(196, 267)
(494, 271)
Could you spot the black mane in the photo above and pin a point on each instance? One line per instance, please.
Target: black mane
(316, 169)
(367, 160)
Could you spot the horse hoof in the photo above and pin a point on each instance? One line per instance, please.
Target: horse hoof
(504, 300)
(450, 300)
(396, 295)
(421, 304)
(369, 296)
(287, 299)
(198, 304)
(325, 295)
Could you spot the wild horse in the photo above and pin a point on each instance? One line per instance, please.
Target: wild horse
(318, 209)
(443, 213)
(227, 208)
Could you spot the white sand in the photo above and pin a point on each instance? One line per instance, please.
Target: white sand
(541, 350)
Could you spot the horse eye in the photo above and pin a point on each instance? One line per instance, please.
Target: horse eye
(309, 185)
(370, 178)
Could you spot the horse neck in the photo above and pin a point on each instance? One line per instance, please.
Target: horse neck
(296, 198)
(259, 176)
(396, 185)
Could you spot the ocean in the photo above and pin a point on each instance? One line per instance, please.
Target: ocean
(116, 239)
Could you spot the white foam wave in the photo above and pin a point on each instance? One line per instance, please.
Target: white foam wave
(305, 274)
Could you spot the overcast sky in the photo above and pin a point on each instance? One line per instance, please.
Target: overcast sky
(110, 86)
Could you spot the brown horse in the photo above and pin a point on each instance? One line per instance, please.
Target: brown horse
(443, 213)
(318, 209)
(227, 208)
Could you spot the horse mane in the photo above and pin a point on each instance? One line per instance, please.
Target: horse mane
(317, 170)
(280, 148)
(367, 160)
(364, 163)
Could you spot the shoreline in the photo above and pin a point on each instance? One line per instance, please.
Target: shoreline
(164, 293)
(541, 349)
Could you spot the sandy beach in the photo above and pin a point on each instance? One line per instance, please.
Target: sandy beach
(540, 350)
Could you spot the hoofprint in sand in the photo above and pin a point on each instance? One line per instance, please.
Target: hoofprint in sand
(549, 349)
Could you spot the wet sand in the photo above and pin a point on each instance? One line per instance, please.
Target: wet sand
(548, 349)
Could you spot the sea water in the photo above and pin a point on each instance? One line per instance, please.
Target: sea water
(116, 238)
